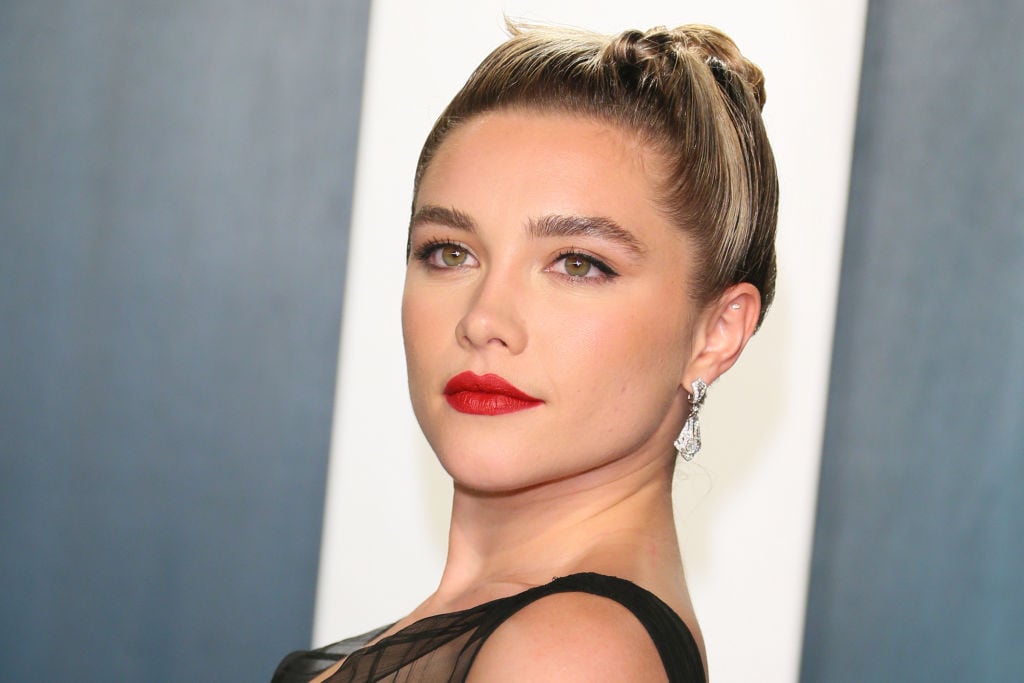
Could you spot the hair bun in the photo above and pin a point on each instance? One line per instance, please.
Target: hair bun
(662, 48)
(719, 52)
(638, 47)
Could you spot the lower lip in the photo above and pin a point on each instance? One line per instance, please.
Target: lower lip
(482, 403)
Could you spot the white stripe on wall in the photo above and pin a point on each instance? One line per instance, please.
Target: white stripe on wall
(746, 507)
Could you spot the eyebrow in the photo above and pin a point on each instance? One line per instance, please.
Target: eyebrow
(599, 227)
(552, 225)
(451, 218)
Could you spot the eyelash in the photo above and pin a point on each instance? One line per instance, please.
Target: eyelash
(426, 251)
(607, 271)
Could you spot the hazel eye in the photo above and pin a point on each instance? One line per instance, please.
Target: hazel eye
(452, 255)
(444, 255)
(577, 266)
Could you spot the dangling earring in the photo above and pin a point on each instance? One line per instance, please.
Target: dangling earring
(688, 443)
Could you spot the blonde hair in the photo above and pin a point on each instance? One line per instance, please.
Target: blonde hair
(689, 94)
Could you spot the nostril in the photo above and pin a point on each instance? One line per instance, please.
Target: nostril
(483, 330)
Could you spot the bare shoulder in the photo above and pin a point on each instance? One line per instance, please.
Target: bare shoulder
(569, 637)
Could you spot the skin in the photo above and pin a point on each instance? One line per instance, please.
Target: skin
(581, 482)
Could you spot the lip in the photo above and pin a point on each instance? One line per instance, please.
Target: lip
(489, 394)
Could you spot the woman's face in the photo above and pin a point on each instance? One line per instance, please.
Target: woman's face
(538, 255)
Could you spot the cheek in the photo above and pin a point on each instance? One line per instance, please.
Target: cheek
(631, 352)
(415, 329)
(419, 333)
(429, 319)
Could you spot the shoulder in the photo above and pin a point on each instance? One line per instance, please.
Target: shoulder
(569, 636)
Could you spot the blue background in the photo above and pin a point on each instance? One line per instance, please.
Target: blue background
(176, 188)
(919, 544)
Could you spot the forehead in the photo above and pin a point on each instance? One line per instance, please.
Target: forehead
(556, 161)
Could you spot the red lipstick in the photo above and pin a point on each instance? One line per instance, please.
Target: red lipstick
(486, 395)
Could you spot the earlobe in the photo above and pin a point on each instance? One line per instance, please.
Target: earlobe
(728, 325)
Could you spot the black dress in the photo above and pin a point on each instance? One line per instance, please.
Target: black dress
(443, 647)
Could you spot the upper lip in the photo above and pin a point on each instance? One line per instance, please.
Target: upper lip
(485, 384)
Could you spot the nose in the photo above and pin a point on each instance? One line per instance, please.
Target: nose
(492, 317)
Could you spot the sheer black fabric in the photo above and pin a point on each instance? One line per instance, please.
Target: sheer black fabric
(442, 648)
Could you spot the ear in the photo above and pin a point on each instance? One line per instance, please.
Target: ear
(722, 332)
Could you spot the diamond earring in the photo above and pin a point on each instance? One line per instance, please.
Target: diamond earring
(688, 443)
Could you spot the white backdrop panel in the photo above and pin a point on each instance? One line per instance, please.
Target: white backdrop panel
(746, 507)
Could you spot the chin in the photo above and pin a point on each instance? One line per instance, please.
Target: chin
(490, 475)
(494, 473)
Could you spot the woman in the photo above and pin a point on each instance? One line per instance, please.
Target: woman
(591, 245)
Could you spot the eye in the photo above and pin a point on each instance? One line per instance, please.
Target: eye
(444, 255)
(451, 254)
(580, 266)
(576, 265)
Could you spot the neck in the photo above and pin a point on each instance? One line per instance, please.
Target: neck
(618, 523)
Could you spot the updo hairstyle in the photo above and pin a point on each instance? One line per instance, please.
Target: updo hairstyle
(689, 96)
